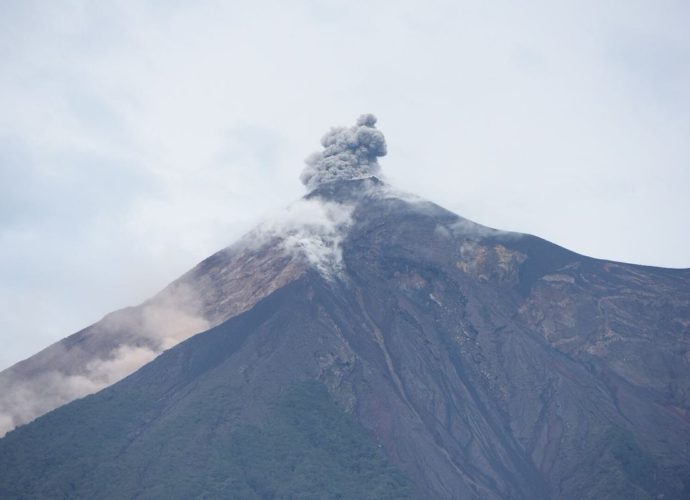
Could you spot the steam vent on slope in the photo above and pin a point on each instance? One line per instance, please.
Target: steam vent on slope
(366, 343)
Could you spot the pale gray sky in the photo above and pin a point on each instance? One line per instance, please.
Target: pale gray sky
(137, 137)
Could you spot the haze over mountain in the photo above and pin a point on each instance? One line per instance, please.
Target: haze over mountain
(127, 339)
(368, 344)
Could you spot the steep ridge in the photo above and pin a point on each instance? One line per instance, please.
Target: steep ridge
(459, 352)
(222, 286)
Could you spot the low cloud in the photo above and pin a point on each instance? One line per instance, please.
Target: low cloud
(312, 229)
(173, 315)
(27, 398)
(61, 374)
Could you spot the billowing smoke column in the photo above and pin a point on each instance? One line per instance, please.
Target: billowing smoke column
(349, 153)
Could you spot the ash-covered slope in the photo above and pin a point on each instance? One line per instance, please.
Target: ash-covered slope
(416, 355)
(227, 283)
(222, 286)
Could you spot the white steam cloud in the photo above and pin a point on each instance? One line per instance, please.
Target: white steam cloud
(349, 153)
(312, 229)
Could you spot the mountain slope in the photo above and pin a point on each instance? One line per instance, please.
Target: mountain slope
(484, 364)
(370, 344)
(222, 286)
(192, 415)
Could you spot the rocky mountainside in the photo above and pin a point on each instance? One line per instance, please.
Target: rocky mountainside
(224, 285)
(399, 351)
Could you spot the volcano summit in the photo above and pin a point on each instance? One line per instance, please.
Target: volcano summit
(369, 344)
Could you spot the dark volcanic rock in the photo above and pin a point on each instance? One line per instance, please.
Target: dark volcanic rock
(462, 362)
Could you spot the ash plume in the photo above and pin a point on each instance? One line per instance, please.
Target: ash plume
(349, 153)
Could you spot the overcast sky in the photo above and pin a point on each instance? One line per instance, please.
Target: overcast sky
(138, 137)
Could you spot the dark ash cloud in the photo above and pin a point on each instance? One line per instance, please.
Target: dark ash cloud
(349, 153)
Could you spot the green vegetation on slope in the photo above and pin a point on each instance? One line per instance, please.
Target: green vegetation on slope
(306, 448)
(636, 463)
(309, 449)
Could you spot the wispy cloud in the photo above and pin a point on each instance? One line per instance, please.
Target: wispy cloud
(113, 348)
(313, 229)
(25, 398)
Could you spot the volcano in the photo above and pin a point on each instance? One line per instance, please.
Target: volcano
(371, 344)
